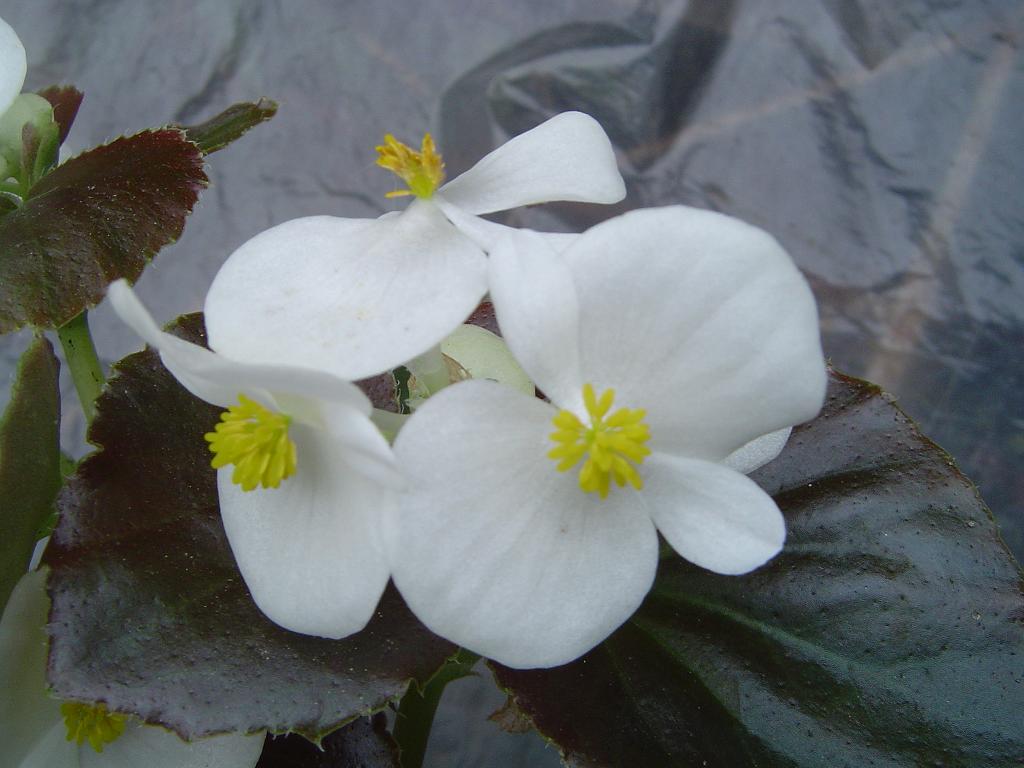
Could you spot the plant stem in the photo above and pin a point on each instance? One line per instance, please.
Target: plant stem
(82, 362)
(416, 711)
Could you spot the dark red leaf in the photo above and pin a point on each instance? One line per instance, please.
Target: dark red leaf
(98, 217)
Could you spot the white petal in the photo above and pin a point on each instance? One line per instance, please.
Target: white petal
(486, 234)
(311, 551)
(219, 380)
(27, 713)
(37, 553)
(482, 232)
(12, 66)
(712, 515)
(203, 373)
(153, 747)
(758, 451)
(559, 242)
(53, 750)
(497, 550)
(568, 157)
(702, 320)
(350, 296)
(366, 450)
(535, 303)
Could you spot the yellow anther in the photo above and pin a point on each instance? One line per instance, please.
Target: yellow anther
(423, 171)
(612, 445)
(254, 439)
(92, 723)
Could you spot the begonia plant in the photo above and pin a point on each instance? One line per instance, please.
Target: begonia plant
(610, 466)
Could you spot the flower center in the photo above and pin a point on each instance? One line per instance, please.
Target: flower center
(91, 722)
(612, 445)
(423, 171)
(256, 441)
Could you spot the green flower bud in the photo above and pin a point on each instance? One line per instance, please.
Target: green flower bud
(27, 109)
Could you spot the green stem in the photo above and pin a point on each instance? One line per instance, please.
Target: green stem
(416, 710)
(81, 359)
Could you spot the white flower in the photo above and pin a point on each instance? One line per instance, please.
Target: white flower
(33, 731)
(360, 296)
(666, 340)
(16, 108)
(308, 539)
(13, 66)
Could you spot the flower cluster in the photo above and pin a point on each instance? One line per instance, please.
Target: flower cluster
(674, 349)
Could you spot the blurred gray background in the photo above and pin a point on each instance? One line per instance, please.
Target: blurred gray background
(879, 141)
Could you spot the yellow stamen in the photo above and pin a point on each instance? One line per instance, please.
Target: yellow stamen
(254, 439)
(612, 445)
(92, 723)
(423, 171)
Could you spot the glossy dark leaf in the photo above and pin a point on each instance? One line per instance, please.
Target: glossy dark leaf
(363, 743)
(29, 460)
(150, 613)
(99, 216)
(219, 131)
(887, 633)
(65, 99)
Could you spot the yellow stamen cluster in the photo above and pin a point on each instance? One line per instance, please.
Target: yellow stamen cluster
(612, 445)
(92, 723)
(423, 171)
(254, 439)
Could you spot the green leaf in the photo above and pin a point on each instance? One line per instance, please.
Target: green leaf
(40, 147)
(365, 743)
(416, 711)
(29, 460)
(887, 633)
(150, 613)
(65, 99)
(98, 217)
(231, 124)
